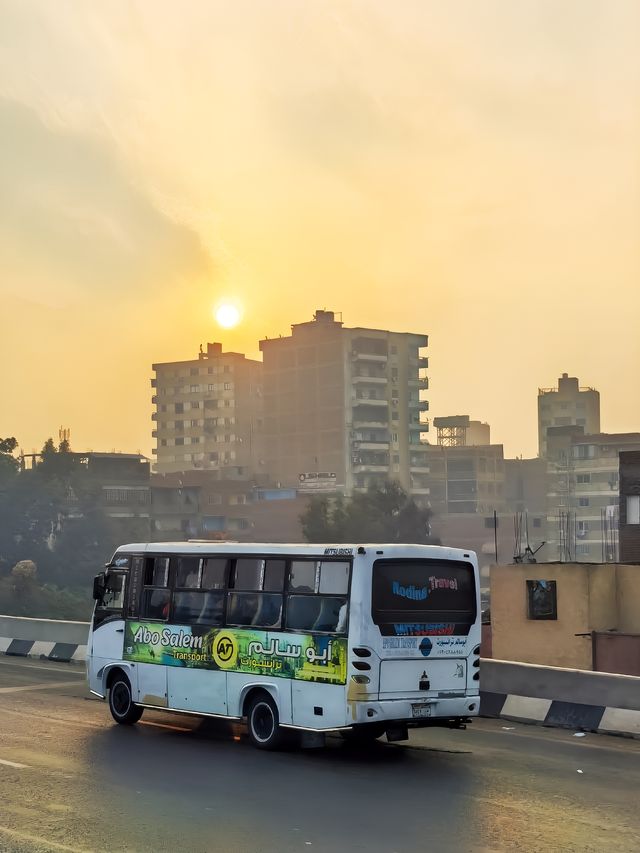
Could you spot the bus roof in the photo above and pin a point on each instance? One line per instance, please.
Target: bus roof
(320, 550)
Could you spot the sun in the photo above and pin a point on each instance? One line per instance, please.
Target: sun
(227, 315)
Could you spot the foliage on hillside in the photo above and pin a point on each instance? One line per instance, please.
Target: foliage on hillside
(384, 513)
(51, 516)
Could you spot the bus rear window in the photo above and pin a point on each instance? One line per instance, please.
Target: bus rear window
(422, 592)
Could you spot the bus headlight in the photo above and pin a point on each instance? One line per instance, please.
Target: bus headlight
(361, 679)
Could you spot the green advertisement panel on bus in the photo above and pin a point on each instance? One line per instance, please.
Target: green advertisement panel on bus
(300, 656)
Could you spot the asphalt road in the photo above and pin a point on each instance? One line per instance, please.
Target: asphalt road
(71, 780)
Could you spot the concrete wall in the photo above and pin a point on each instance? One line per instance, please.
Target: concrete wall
(49, 630)
(590, 597)
(558, 684)
(628, 598)
(515, 637)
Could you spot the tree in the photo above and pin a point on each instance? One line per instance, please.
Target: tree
(384, 513)
(8, 463)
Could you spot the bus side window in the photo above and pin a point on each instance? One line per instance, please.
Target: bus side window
(188, 572)
(334, 577)
(302, 612)
(156, 595)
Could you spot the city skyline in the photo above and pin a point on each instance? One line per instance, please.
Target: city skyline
(468, 170)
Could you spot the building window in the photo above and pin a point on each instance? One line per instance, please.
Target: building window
(194, 389)
(584, 451)
(542, 599)
(633, 509)
(211, 387)
(583, 501)
(537, 522)
(582, 549)
(394, 349)
(193, 371)
(583, 478)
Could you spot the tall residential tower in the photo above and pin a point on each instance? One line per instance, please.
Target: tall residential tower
(208, 412)
(344, 406)
(567, 405)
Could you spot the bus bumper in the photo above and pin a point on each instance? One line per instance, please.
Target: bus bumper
(423, 712)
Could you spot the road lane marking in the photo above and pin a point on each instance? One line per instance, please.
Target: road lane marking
(58, 668)
(42, 686)
(44, 842)
(164, 726)
(15, 764)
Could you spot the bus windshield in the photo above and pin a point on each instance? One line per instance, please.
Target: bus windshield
(423, 594)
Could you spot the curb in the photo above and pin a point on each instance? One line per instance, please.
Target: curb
(565, 715)
(60, 652)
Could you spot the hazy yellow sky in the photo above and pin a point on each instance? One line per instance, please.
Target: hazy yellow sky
(469, 169)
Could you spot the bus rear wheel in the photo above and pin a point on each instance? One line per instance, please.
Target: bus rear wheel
(263, 722)
(121, 703)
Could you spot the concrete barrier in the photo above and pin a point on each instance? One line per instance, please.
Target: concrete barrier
(50, 638)
(568, 698)
(549, 695)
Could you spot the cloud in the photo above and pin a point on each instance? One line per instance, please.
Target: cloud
(70, 209)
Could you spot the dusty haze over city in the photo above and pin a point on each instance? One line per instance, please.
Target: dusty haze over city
(465, 170)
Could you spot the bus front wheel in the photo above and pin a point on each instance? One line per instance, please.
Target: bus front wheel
(121, 703)
(263, 722)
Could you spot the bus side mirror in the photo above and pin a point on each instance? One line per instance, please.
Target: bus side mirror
(99, 583)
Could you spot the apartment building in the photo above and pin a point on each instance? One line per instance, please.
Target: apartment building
(466, 479)
(223, 505)
(208, 412)
(567, 405)
(583, 493)
(346, 406)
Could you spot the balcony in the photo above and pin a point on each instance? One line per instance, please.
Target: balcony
(369, 401)
(154, 416)
(154, 399)
(375, 380)
(371, 357)
(154, 433)
(422, 382)
(373, 421)
(154, 383)
(420, 490)
(370, 469)
(418, 444)
(370, 445)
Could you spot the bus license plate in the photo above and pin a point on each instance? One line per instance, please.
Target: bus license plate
(421, 710)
